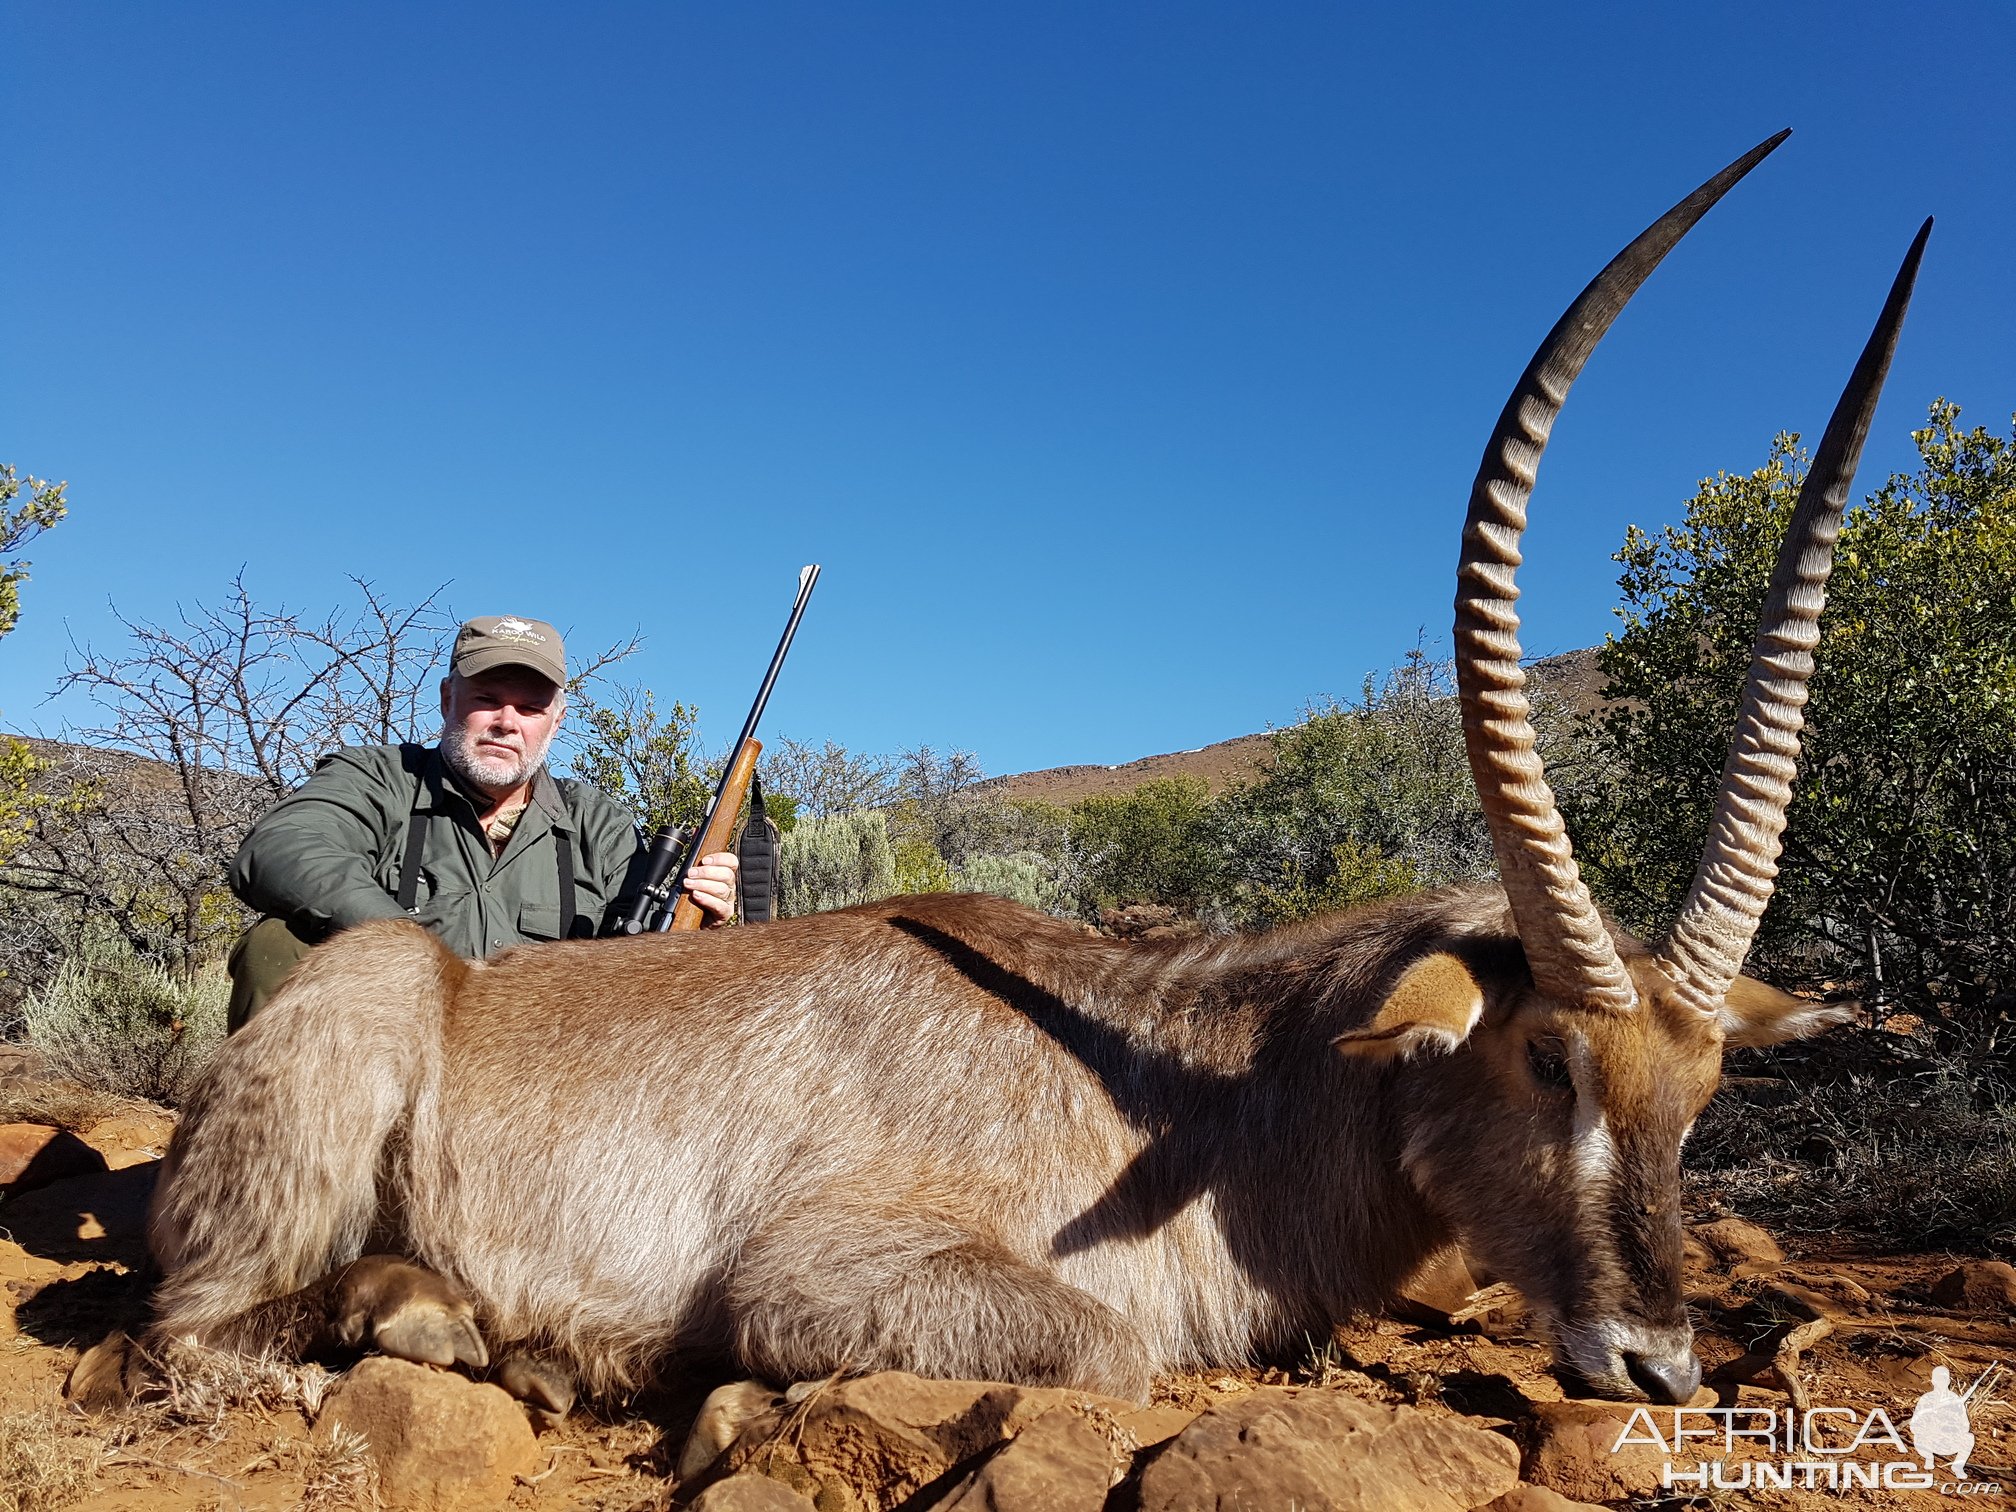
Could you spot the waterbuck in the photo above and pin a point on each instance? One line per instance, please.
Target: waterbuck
(950, 1135)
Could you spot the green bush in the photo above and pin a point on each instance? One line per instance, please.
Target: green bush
(1363, 800)
(1899, 873)
(834, 861)
(115, 1023)
(1152, 845)
(1358, 873)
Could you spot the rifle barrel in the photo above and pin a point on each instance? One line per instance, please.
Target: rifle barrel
(658, 890)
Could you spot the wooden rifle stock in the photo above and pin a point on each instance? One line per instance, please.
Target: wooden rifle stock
(686, 914)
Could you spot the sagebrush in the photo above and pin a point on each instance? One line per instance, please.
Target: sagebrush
(115, 1023)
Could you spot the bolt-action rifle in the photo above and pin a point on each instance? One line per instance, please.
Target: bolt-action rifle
(663, 903)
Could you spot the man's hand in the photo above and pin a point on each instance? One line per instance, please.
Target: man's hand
(710, 882)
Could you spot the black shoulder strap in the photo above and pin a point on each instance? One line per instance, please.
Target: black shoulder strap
(413, 757)
(758, 854)
(409, 865)
(563, 851)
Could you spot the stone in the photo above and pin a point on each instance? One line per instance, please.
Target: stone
(131, 1138)
(1742, 1246)
(749, 1493)
(1979, 1286)
(1525, 1498)
(1147, 921)
(1792, 1300)
(1323, 1451)
(1149, 1426)
(441, 1443)
(33, 1155)
(1062, 1462)
(869, 1444)
(1572, 1448)
(1839, 1287)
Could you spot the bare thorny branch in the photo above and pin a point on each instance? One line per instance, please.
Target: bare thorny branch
(236, 703)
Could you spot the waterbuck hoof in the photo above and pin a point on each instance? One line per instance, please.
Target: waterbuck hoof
(405, 1311)
(107, 1376)
(537, 1381)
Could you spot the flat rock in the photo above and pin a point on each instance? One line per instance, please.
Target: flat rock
(1525, 1498)
(1324, 1451)
(1573, 1448)
(1801, 1302)
(1843, 1289)
(750, 1493)
(132, 1138)
(1741, 1246)
(441, 1443)
(1062, 1462)
(1979, 1286)
(873, 1442)
(33, 1155)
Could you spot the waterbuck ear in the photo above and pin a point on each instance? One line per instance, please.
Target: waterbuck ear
(1754, 1014)
(1434, 1006)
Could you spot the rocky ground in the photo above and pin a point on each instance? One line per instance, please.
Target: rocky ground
(1447, 1404)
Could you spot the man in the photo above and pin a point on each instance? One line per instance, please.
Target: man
(474, 838)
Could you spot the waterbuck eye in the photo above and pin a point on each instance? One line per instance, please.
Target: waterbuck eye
(1547, 1059)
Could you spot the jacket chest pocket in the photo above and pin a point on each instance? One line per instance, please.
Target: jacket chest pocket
(539, 919)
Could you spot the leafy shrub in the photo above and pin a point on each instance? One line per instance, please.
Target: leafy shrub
(115, 1023)
(1358, 873)
(1152, 845)
(1363, 800)
(1899, 874)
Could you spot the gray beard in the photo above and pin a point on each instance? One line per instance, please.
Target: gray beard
(485, 773)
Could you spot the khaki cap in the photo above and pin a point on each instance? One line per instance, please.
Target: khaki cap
(504, 640)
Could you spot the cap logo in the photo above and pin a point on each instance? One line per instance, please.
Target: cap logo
(516, 629)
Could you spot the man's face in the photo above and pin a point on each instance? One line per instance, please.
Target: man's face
(496, 726)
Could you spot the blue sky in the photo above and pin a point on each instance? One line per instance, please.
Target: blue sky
(1125, 365)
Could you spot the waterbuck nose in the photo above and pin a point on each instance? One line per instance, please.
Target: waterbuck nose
(1669, 1380)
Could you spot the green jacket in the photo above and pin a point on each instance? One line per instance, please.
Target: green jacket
(329, 854)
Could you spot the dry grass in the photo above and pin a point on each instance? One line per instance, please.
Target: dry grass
(48, 1460)
(65, 1104)
(1908, 1156)
(198, 1388)
(338, 1473)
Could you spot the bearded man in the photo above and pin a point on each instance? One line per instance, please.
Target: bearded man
(472, 838)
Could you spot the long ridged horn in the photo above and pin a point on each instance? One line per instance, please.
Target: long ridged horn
(1571, 954)
(1739, 865)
